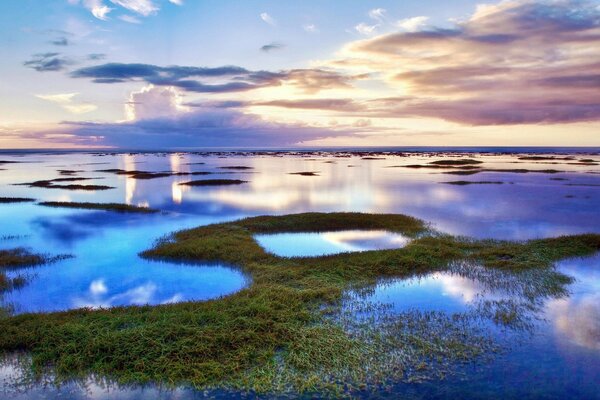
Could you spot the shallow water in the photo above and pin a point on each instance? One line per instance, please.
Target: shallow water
(326, 243)
(106, 270)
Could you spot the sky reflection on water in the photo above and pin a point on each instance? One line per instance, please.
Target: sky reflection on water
(106, 270)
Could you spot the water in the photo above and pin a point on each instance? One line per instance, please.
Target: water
(562, 358)
(325, 243)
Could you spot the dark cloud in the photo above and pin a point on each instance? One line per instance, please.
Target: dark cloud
(272, 46)
(202, 79)
(61, 41)
(43, 62)
(96, 56)
(206, 127)
(315, 104)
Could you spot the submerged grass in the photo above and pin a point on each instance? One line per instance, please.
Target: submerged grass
(117, 207)
(285, 331)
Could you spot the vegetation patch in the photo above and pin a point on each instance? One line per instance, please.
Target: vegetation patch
(214, 182)
(463, 161)
(545, 158)
(5, 200)
(305, 173)
(117, 207)
(236, 167)
(462, 183)
(288, 331)
(151, 175)
(52, 184)
(12, 259)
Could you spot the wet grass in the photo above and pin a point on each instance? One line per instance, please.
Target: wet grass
(305, 173)
(116, 207)
(145, 175)
(13, 259)
(462, 183)
(236, 167)
(285, 333)
(464, 161)
(507, 170)
(214, 182)
(52, 184)
(6, 200)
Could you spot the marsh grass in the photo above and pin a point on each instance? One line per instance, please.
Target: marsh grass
(305, 173)
(117, 207)
(213, 182)
(52, 184)
(16, 258)
(287, 331)
(7, 200)
(462, 183)
(464, 161)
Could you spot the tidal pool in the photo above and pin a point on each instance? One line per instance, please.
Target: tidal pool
(313, 244)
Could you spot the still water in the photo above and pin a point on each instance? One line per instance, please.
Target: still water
(561, 358)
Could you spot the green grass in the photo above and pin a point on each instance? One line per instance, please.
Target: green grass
(117, 207)
(288, 330)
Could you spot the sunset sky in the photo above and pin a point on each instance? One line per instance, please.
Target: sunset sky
(164, 74)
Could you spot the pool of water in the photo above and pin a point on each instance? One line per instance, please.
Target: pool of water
(314, 244)
(560, 359)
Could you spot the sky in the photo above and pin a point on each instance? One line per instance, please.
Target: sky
(176, 74)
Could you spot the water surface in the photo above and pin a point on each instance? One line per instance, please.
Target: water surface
(560, 359)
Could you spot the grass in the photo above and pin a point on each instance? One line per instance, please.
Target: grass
(462, 183)
(305, 173)
(464, 161)
(117, 207)
(150, 175)
(213, 182)
(285, 332)
(5, 200)
(12, 259)
(51, 184)
(236, 167)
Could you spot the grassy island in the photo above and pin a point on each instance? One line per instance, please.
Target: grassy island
(291, 329)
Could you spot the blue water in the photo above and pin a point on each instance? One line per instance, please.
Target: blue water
(561, 360)
(326, 243)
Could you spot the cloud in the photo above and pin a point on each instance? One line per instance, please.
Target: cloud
(141, 7)
(100, 10)
(159, 121)
(177, 2)
(515, 62)
(225, 79)
(129, 19)
(97, 8)
(96, 56)
(154, 102)
(43, 62)
(272, 46)
(61, 41)
(65, 100)
(413, 24)
(365, 29)
(268, 19)
(377, 14)
(310, 28)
